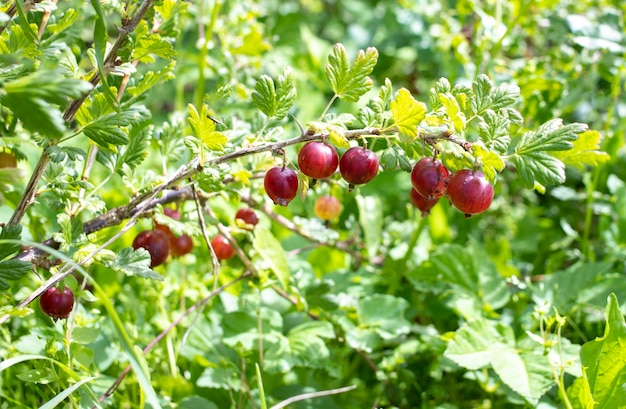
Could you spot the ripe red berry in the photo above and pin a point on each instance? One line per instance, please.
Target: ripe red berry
(358, 166)
(423, 204)
(429, 177)
(469, 191)
(179, 246)
(318, 160)
(247, 216)
(56, 303)
(281, 185)
(7, 160)
(156, 242)
(221, 246)
(327, 207)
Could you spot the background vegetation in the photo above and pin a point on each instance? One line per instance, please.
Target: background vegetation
(499, 310)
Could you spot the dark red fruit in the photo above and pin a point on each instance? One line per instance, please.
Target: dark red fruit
(221, 246)
(327, 207)
(7, 160)
(469, 191)
(318, 160)
(423, 204)
(156, 242)
(358, 166)
(179, 246)
(429, 177)
(56, 303)
(281, 185)
(247, 216)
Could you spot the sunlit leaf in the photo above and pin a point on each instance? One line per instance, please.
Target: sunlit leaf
(407, 114)
(585, 151)
(350, 81)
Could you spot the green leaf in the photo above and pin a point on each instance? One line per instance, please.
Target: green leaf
(275, 100)
(491, 162)
(539, 167)
(11, 270)
(149, 45)
(579, 393)
(585, 152)
(100, 46)
(195, 402)
(272, 253)
(109, 130)
(486, 97)
(605, 360)
(385, 314)
(350, 82)
(474, 344)
(407, 114)
(550, 136)
(307, 345)
(528, 374)
(467, 269)
(152, 79)
(203, 128)
(34, 99)
(494, 130)
(10, 232)
(456, 117)
(371, 220)
(134, 262)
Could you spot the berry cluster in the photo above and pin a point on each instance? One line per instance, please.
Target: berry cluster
(319, 160)
(468, 190)
(161, 242)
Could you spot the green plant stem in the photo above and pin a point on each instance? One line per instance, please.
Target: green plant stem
(204, 50)
(330, 103)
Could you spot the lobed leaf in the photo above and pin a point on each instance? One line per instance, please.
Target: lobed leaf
(11, 233)
(485, 96)
(585, 152)
(11, 270)
(203, 128)
(539, 167)
(456, 117)
(275, 99)
(494, 130)
(407, 114)
(108, 130)
(134, 263)
(348, 81)
(550, 136)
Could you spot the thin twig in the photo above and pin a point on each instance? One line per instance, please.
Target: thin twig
(311, 395)
(214, 260)
(163, 333)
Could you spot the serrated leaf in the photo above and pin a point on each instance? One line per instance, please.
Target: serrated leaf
(275, 100)
(605, 360)
(272, 253)
(335, 132)
(585, 152)
(384, 314)
(474, 343)
(528, 374)
(468, 270)
(456, 117)
(407, 114)
(11, 270)
(485, 96)
(108, 130)
(348, 81)
(203, 128)
(491, 162)
(134, 263)
(151, 79)
(539, 167)
(494, 130)
(9, 232)
(149, 44)
(550, 136)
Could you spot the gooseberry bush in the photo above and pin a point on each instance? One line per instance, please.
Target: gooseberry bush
(197, 213)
